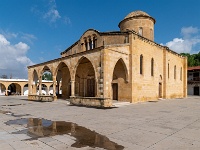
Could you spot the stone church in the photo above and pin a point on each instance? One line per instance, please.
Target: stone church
(125, 65)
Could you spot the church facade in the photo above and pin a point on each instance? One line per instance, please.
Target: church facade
(125, 65)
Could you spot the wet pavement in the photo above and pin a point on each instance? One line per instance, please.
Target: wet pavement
(162, 125)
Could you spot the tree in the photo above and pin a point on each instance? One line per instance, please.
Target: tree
(193, 59)
(47, 76)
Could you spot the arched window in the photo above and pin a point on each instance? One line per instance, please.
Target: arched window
(168, 70)
(181, 74)
(141, 64)
(94, 42)
(152, 67)
(86, 45)
(175, 72)
(140, 31)
(90, 44)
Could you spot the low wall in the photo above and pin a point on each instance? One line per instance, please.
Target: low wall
(45, 98)
(91, 101)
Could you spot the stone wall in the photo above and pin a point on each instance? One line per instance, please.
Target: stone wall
(91, 101)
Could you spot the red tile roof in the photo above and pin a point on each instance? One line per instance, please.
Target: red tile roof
(194, 68)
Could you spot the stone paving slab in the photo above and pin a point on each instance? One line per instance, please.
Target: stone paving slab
(162, 125)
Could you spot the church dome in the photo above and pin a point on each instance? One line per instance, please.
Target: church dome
(140, 22)
(138, 13)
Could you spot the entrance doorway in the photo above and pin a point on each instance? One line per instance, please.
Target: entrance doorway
(160, 90)
(115, 91)
(196, 90)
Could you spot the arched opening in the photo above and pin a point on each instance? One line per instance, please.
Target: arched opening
(25, 89)
(47, 76)
(51, 90)
(14, 89)
(160, 87)
(63, 87)
(44, 90)
(2, 89)
(35, 82)
(85, 79)
(119, 79)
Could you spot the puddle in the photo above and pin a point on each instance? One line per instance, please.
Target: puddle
(38, 128)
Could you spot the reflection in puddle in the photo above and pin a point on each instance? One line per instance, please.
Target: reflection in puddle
(37, 128)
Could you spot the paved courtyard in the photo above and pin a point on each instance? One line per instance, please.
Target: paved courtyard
(164, 125)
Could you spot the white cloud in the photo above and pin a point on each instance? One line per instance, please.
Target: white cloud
(188, 43)
(28, 37)
(52, 14)
(13, 58)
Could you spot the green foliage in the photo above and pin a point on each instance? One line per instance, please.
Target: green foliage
(47, 76)
(193, 59)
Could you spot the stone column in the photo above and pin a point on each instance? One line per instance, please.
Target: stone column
(40, 86)
(47, 90)
(92, 43)
(72, 88)
(54, 86)
(22, 90)
(88, 45)
(6, 92)
(30, 82)
(0, 88)
(58, 87)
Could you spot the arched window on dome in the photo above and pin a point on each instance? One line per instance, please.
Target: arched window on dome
(140, 31)
(141, 64)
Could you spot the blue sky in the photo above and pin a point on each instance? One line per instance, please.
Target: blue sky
(35, 31)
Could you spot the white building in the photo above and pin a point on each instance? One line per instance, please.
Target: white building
(194, 80)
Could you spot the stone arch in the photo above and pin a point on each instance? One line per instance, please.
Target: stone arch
(121, 61)
(80, 59)
(62, 63)
(51, 89)
(25, 89)
(2, 89)
(44, 89)
(63, 78)
(34, 83)
(119, 80)
(85, 76)
(46, 69)
(14, 89)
